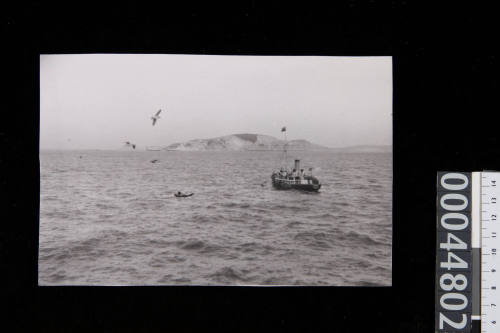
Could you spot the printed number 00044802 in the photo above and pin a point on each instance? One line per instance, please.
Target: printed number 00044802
(452, 281)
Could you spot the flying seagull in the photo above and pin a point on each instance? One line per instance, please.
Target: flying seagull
(156, 117)
(128, 144)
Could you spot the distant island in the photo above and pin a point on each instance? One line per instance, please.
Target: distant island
(259, 142)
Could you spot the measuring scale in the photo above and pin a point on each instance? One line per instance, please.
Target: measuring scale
(485, 236)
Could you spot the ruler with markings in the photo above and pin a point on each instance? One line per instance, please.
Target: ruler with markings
(489, 188)
(467, 260)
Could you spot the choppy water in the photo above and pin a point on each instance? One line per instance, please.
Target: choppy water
(110, 218)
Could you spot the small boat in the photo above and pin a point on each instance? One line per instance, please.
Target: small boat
(182, 195)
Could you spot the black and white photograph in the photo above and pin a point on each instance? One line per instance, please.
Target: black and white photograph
(214, 170)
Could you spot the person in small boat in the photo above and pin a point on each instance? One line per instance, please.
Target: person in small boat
(180, 194)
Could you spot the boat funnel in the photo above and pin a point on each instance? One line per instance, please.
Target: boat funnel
(297, 165)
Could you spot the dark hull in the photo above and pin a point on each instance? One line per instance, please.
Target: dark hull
(302, 187)
(183, 195)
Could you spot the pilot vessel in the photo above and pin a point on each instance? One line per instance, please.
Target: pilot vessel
(299, 180)
(295, 178)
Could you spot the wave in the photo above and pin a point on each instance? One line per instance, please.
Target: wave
(199, 246)
(382, 269)
(235, 205)
(361, 238)
(191, 244)
(159, 243)
(165, 279)
(323, 216)
(176, 259)
(325, 240)
(360, 187)
(102, 205)
(57, 276)
(248, 245)
(274, 280)
(229, 274)
(372, 202)
(166, 257)
(85, 245)
(49, 198)
(260, 210)
(117, 234)
(204, 218)
(182, 280)
(88, 248)
(314, 239)
(293, 224)
(365, 283)
(254, 247)
(293, 208)
(342, 203)
(53, 214)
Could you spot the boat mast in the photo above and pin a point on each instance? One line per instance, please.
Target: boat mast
(284, 146)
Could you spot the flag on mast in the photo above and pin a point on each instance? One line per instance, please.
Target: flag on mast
(283, 129)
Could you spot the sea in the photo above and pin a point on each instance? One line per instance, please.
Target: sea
(111, 218)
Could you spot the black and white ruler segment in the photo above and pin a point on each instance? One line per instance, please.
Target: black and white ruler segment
(487, 185)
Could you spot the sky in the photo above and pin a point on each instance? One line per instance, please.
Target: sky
(99, 101)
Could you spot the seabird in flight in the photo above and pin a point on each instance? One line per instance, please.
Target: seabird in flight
(156, 117)
(127, 143)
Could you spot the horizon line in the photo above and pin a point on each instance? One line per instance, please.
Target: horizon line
(163, 148)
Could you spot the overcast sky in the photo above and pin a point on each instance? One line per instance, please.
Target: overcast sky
(99, 101)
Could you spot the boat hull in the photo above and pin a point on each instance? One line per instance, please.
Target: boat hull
(282, 184)
(183, 195)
